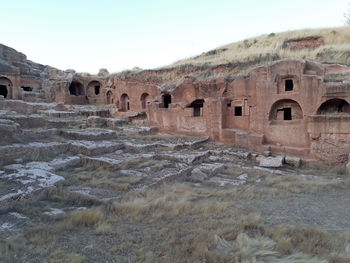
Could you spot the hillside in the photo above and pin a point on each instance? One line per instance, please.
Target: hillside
(330, 45)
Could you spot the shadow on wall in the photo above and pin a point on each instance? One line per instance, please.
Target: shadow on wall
(334, 106)
(5, 87)
(76, 88)
(286, 110)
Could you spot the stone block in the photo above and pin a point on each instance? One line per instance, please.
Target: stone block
(292, 161)
(271, 162)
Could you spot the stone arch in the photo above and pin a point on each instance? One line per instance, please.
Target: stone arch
(94, 87)
(286, 110)
(110, 99)
(334, 106)
(76, 88)
(144, 100)
(124, 102)
(5, 87)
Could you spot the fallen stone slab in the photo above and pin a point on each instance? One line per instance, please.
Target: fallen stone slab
(271, 162)
(292, 161)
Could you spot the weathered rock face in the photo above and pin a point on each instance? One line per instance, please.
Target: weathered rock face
(302, 43)
(23, 79)
(291, 107)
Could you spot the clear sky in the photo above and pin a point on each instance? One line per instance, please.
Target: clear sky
(87, 35)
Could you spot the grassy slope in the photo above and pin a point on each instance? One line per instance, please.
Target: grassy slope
(238, 59)
(267, 47)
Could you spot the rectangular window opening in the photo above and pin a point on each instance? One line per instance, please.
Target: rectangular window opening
(288, 85)
(238, 111)
(97, 90)
(287, 113)
(196, 111)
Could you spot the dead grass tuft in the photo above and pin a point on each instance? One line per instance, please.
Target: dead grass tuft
(89, 217)
(60, 256)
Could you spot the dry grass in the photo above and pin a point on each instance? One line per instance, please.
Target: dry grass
(335, 50)
(183, 223)
(239, 58)
(89, 217)
(104, 229)
(60, 256)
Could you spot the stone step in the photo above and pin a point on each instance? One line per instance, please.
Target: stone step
(90, 110)
(25, 107)
(94, 148)
(38, 121)
(111, 123)
(36, 151)
(89, 134)
(59, 114)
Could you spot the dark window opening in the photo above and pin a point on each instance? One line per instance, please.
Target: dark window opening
(197, 105)
(166, 100)
(144, 100)
(97, 90)
(76, 89)
(288, 85)
(124, 102)
(229, 104)
(109, 97)
(238, 111)
(27, 88)
(334, 106)
(287, 113)
(3, 90)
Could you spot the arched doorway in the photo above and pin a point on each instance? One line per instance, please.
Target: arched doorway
(286, 110)
(166, 100)
(110, 99)
(5, 87)
(124, 102)
(144, 100)
(76, 88)
(334, 106)
(94, 87)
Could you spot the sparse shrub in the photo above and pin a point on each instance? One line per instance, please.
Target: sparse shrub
(272, 34)
(215, 51)
(104, 229)
(83, 218)
(307, 240)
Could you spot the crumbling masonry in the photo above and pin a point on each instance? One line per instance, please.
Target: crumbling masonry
(291, 106)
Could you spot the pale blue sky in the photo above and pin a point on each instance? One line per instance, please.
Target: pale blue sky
(90, 34)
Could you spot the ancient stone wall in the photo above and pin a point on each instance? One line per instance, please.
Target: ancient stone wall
(290, 106)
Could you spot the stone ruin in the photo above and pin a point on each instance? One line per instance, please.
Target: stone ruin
(290, 107)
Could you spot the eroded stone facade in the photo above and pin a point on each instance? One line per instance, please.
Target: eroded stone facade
(292, 106)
